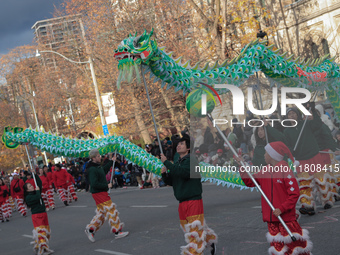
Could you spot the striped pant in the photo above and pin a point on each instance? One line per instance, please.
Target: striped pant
(106, 210)
(44, 195)
(196, 232)
(50, 197)
(5, 210)
(71, 193)
(63, 193)
(41, 233)
(20, 206)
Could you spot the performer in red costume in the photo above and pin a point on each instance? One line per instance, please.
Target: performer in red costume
(50, 191)
(4, 205)
(280, 186)
(17, 192)
(70, 188)
(45, 186)
(61, 182)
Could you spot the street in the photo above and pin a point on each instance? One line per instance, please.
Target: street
(151, 217)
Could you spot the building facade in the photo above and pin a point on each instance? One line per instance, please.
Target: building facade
(307, 28)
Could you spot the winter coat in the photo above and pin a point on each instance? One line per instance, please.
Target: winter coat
(307, 147)
(178, 176)
(60, 177)
(34, 201)
(45, 183)
(4, 193)
(281, 188)
(97, 176)
(17, 183)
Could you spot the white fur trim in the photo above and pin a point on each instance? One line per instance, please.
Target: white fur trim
(273, 153)
(194, 224)
(326, 179)
(287, 239)
(189, 233)
(305, 179)
(185, 249)
(272, 251)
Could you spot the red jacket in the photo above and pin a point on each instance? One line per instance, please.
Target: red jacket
(281, 188)
(50, 179)
(17, 183)
(31, 181)
(45, 183)
(60, 177)
(70, 179)
(3, 188)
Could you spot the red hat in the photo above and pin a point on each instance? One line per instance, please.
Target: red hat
(226, 145)
(277, 150)
(219, 150)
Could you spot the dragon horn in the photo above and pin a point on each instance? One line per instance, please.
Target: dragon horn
(136, 34)
(151, 33)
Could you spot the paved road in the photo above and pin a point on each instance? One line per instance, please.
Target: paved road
(152, 219)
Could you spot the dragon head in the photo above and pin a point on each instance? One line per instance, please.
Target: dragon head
(134, 51)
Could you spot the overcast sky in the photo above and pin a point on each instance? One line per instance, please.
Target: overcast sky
(18, 16)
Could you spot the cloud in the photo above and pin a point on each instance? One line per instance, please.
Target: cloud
(18, 16)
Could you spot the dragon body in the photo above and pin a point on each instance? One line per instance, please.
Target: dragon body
(320, 74)
(80, 148)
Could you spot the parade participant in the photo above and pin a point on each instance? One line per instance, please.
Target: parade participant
(45, 186)
(260, 138)
(105, 208)
(306, 152)
(8, 206)
(60, 181)
(4, 205)
(188, 191)
(41, 231)
(325, 180)
(50, 191)
(70, 188)
(17, 192)
(29, 179)
(282, 189)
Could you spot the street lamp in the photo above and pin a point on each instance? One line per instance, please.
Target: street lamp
(104, 126)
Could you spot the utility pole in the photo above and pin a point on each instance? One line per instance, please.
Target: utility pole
(30, 148)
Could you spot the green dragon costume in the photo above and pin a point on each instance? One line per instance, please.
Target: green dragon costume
(141, 50)
(320, 74)
(80, 148)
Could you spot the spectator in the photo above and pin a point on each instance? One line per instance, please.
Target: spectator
(325, 118)
(208, 137)
(219, 158)
(199, 138)
(238, 131)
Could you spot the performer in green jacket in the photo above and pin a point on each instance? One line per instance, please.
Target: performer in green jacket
(41, 231)
(105, 208)
(188, 191)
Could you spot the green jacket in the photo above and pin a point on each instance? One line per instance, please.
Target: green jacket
(97, 176)
(178, 176)
(34, 201)
(325, 139)
(307, 146)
